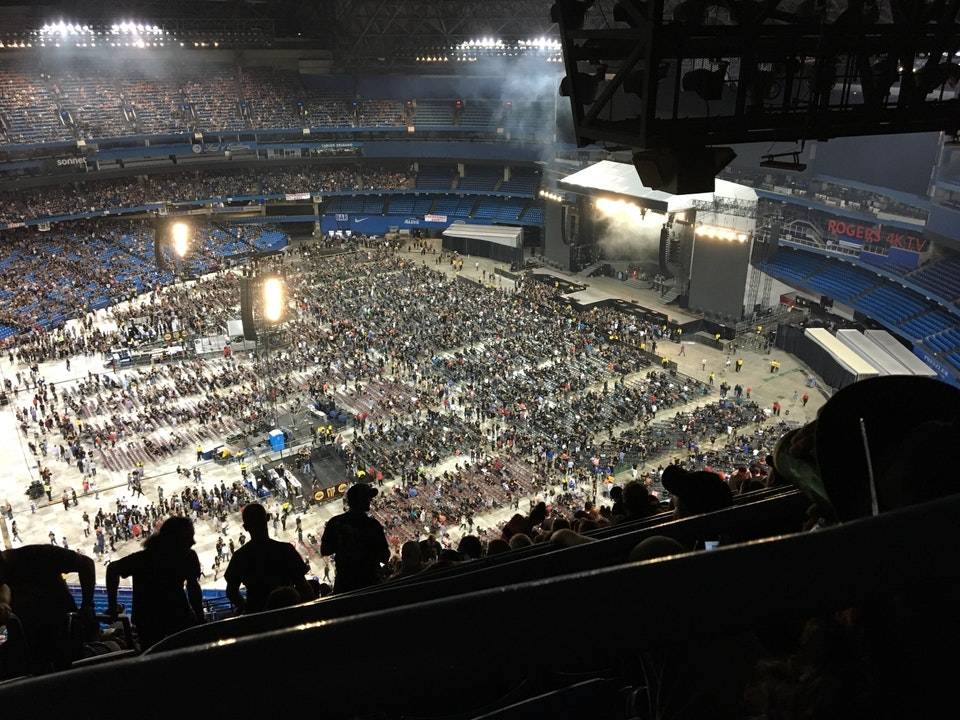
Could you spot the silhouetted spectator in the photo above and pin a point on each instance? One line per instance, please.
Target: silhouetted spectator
(282, 597)
(560, 524)
(654, 547)
(32, 585)
(520, 540)
(616, 495)
(497, 546)
(410, 563)
(160, 571)
(519, 524)
(262, 565)
(356, 541)
(429, 550)
(470, 547)
(637, 501)
(696, 492)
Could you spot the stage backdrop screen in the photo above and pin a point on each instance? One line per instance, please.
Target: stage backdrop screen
(718, 277)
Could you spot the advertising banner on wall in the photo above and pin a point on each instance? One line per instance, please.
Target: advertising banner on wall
(810, 228)
(65, 164)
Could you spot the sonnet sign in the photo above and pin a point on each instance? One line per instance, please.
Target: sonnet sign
(875, 235)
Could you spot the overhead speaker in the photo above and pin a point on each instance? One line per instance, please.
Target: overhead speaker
(682, 171)
(246, 308)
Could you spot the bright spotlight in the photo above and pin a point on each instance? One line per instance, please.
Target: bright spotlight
(181, 238)
(273, 299)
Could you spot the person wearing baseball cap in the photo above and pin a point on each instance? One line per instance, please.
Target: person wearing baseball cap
(877, 445)
(356, 541)
(696, 493)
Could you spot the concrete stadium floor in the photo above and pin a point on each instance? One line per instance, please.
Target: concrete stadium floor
(19, 467)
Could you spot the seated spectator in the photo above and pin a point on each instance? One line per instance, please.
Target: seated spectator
(616, 495)
(738, 478)
(637, 503)
(696, 492)
(159, 571)
(262, 565)
(654, 547)
(520, 540)
(497, 546)
(356, 541)
(410, 562)
(32, 586)
(519, 524)
(429, 550)
(470, 547)
(568, 538)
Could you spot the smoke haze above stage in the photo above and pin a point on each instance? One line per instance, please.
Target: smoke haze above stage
(623, 232)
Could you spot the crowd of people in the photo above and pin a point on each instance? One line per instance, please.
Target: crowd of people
(96, 101)
(18, 206)
(467, 400)
(463, 371)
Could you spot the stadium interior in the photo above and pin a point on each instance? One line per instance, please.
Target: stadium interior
(480, 359)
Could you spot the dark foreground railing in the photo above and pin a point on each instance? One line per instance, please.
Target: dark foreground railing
(448, 655)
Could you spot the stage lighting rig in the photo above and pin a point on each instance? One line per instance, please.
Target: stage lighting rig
(180, 238)
(681, 82)
(792, 165)
(274, 299)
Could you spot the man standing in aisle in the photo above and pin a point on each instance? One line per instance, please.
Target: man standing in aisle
(262, 565)
(356, 541)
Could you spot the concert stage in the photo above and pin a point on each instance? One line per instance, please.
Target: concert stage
(597, 290)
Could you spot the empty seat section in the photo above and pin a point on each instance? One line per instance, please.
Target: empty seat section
(434, 113)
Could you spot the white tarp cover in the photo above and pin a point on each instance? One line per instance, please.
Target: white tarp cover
(871, 352)
(895, 349)
(843, 355)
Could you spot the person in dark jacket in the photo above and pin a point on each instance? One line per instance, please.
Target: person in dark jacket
(160, 572)
(356, 541)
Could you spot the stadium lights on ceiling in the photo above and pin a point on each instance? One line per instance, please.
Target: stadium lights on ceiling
(547, 195)
(719, 233)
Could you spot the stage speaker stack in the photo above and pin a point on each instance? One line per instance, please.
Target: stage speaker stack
(664, 255)
(160, 230)
(246, 308)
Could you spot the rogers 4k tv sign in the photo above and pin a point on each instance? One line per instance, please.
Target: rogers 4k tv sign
(855, 233)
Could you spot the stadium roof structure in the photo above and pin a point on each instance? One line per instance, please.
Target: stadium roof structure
(388, 33)
(361, 34)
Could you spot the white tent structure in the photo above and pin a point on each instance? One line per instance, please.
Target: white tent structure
(503, 243)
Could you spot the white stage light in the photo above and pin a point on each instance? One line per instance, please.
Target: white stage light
(273, 299)
(181, 238)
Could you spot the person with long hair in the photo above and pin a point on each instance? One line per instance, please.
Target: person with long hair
(160, 571)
